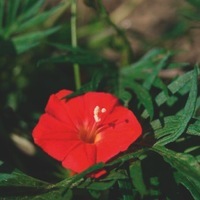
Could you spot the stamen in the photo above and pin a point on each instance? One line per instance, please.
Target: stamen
(96, 112)
(103, 110)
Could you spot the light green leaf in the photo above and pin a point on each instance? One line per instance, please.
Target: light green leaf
(166, 126)
(194, 129)
(186, 115)
(174, 87)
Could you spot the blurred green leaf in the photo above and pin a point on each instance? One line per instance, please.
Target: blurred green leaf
(151, 78)
(73, 55)
(140, 68)
(188, 169)
(1, 15)
(194, 2)
(12, 8)
(29, 40)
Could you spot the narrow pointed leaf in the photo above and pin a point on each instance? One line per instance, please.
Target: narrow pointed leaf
(188, 169)
(29, 40)
(186, 115)
(136, 175)
(152, 76)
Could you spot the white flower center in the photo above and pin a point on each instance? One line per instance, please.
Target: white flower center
(96, 112)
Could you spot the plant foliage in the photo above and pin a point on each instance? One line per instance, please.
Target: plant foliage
(163, 164)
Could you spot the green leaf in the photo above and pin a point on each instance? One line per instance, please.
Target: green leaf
(174, 87)
(29, 40)
(186, 115)
(194, 129)
(126, 189)
(141, 68)
(36, 20)
(4, 176)
(126, 97)
(143, 96)
(127, 157)
(99, 185)
(151, 78)
(2, 2)
(181, 83)
(12, 8)
(166, 126)
(74, 55)
(75, 180)
(19, 184)
(29, 9)
(188, 169)
(136, 175)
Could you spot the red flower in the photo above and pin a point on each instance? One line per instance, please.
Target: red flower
(86, 129)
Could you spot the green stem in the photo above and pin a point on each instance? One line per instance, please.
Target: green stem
(74, 42)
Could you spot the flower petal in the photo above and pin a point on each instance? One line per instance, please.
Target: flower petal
(103, 100)
(119, 136)
(81, 157)
(55, 137)
(56, 106)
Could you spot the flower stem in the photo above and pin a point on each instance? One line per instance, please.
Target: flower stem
(74, 42)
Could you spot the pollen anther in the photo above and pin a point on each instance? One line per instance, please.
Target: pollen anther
(96, 112)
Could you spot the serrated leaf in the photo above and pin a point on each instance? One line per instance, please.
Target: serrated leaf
(181, 84)
(166, 126)
(174, 87)
(180, 178)
(188, 169)
(194, 129)
(186, 115)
